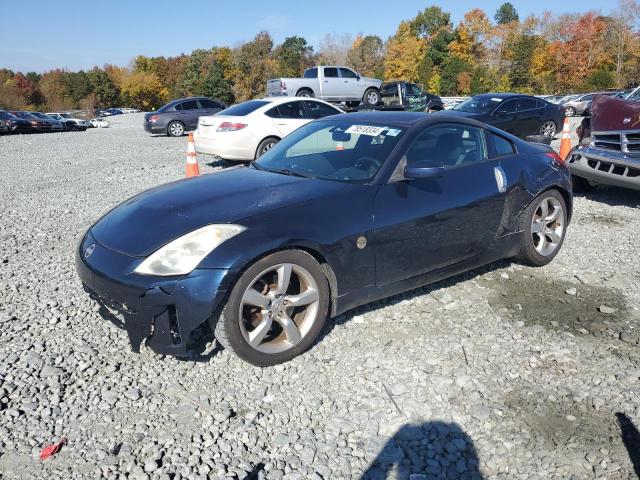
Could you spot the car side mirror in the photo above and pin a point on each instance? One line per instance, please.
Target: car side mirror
(423, 170)
(358, 77)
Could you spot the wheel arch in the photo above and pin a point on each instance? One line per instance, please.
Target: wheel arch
(305, 89)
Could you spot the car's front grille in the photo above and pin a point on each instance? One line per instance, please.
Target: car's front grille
(625, 142)
(614, 169)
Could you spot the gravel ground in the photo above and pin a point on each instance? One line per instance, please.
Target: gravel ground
(504, 372)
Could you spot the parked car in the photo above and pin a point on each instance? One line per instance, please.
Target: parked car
(633, 95)
(407, 96)
(553, 98)
(70, 122)
(37, 124)
(578, 105)
(609, 151)
(347, 209)
(329, 83)
(99, 123)
(181, 115)
(247, 130)
(4, 127)
(16, 124)
(56, 125)
(520, 115)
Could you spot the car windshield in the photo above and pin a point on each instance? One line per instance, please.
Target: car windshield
(343, 151)
(7, 116)
(242, 109)
(483, 104)
(40, 115)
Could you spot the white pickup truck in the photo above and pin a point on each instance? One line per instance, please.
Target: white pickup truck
(329, 83)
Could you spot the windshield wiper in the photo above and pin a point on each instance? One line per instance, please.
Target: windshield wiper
(286, 171)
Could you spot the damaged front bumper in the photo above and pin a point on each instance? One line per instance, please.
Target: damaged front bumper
(164, 310)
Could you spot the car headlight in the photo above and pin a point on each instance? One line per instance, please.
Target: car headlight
(183, 254)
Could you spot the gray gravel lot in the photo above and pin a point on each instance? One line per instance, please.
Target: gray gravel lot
(504, 372)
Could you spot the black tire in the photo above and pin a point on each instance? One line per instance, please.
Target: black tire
(371, 97)
(569, 112)
(227, 328)
(265, 146)
(305, 92)
(528, 254)
(581, 185)
(175, 129)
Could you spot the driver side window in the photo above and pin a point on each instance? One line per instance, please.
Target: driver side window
(449, 145)
(507, 107)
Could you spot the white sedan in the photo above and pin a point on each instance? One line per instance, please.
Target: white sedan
(247, 130)
(99, 123)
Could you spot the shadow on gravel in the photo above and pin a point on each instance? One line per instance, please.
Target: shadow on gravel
(631, 439)
(614, 196)
(433, 450)
(409, 295)
(222, 163)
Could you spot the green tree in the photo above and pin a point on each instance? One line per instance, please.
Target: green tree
(428, 22)
(506, 14)
(106, 92)
(214, 83)
(601, 79)
(451, 72)
(189, 82)
(293, 56)
(366, 55)
(77, 85)
(522, 54)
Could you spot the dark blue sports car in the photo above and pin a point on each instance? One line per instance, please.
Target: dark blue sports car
(344, 211)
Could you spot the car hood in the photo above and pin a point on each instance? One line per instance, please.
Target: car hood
(371, 81)
(144, 223)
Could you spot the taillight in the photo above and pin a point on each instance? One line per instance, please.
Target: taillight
(154, 118)
(230, 127)
(554, 156)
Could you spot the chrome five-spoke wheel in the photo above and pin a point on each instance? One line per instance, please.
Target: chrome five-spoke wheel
(279, 308)
(547, 226)
(276, 308)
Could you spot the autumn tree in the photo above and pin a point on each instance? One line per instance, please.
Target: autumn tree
(430, 21)
(143, 90)
(404, 53)
(255, 66)
(366, 55)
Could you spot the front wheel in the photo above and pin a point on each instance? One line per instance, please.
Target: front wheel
(543, 225)
(175, 129)
(548, 129)
(276, 309)
(371, 97)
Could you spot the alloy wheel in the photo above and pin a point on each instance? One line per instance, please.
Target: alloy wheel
(279, 308)
(372, 97)
(547, 226)
(176, 129)
(548, 129)
(267, 147)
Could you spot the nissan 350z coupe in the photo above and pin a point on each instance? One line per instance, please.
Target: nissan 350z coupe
(344, 211)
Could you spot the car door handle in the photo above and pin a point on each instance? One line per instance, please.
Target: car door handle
(346, 81)
(281, 124)
(326, 81)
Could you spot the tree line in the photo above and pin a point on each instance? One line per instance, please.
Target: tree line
(536, 54)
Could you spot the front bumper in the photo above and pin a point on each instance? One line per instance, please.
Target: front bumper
(607, 167)
(164, 310)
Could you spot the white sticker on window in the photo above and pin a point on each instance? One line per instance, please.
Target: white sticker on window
(393, 132)
(494, 99)
(365, 130)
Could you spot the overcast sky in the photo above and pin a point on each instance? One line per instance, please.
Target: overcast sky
(72, 34)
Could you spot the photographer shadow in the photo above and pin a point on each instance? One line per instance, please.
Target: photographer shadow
(433, 450)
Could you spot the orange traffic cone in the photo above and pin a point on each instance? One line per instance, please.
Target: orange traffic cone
(565, 143)
(192, 160)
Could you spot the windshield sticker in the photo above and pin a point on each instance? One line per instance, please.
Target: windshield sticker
(393, 132)
(365, 130)
(494, 99)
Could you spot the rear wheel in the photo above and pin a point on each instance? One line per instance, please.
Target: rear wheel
(543, 225)
(265, 146)
(371, 97)
(175, 129)
(305, 92)
(276, 309)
